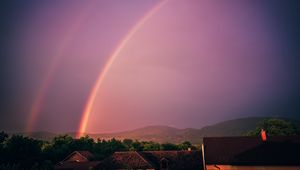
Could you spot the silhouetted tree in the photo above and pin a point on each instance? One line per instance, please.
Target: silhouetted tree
(22, 150)
(84, 143)
(59, 148)
(3, 137)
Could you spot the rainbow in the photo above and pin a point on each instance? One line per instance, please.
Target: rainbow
(40, 96)
(91, 99)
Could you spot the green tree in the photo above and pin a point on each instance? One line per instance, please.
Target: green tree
(104, 148)
(275, 127)
(151, 146)
(137, 146)
(186, 145)
(169, 146)
(116, 145)
(128, 144)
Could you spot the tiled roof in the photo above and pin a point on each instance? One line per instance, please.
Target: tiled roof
(252, 150)
(76, 165)
(177, 160)
(125, 160)
(86, 154)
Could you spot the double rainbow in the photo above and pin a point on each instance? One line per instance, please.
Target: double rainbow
(39, 99)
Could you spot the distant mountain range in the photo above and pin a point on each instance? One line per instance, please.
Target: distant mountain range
(163, 134)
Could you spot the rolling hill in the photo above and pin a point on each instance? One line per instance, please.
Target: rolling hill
(163, 134)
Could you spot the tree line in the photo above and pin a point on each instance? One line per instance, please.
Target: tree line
(21, 152)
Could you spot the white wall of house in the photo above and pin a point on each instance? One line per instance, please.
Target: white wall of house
(230, 167)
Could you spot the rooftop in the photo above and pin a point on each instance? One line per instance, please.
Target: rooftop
(252, 150)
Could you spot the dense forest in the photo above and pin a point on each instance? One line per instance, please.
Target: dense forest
(20, 152)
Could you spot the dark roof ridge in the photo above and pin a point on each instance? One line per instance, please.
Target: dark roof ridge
(144, 159)
(276, 150)
(78, 152)
(137, 154)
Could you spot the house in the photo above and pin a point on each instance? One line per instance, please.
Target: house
(218, 153)
(249, 153)
(125, 160)
(77, 160)
(153, 160)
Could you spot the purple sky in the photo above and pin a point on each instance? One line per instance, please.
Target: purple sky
(191, 64)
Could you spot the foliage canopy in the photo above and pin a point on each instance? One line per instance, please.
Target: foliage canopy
(275, 127)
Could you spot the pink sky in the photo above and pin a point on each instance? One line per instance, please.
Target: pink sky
(192, 63)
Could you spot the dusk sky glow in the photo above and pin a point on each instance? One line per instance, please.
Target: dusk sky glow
(107, 66)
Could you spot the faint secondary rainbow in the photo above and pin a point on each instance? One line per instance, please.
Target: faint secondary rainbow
(91, 99)
(42, 90)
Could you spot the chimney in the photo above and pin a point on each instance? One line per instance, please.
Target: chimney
(263, 135)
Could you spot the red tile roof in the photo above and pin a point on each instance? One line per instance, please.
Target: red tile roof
(125, 160)
(84, 154)
(177, 160)
(76, 165)
(83, 162)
